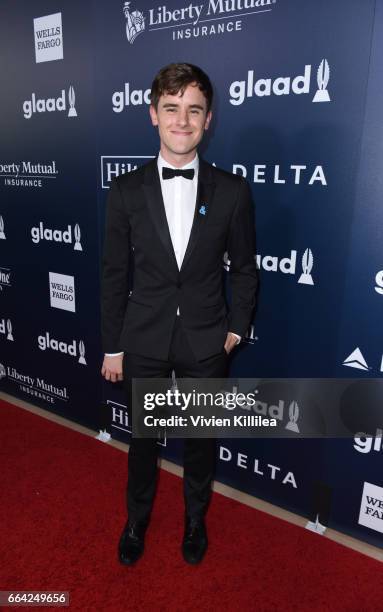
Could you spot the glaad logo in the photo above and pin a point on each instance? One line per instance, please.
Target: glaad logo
(62, 293)
(6, 327)
(44, 233)
(46, 342)
(365, 444)
(5, 278)
(135, 23)
(250, 337)
(274, 411)
(292, 424)
(288, 265)
(48, 38)
(129, 97)
(371, 507)
(49, 105)
(2, 234)
(379, 282)
(307, 265)
(112, 165)
(281, 86)
(323, 77)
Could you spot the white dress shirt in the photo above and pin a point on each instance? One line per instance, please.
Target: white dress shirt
(179, 195)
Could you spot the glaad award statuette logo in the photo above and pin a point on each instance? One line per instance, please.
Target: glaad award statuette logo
(72, 100)
(9, 329)
(292, 425)
(81, 348)
(323, 77)
(2, 235)
(77, 235)
(307, 265)
(135, 23)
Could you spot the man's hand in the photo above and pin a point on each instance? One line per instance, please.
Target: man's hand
(231, 342)
(112, 368)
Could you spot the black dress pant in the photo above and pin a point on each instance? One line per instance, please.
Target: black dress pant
(199, 453)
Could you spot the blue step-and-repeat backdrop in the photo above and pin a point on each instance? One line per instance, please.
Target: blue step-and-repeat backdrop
(299, 112)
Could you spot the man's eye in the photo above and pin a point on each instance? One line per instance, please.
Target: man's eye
(170, 110)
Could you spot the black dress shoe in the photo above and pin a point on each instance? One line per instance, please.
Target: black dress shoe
(131, 544)
(194, 544)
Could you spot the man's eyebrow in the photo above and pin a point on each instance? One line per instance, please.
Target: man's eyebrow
(175, 105)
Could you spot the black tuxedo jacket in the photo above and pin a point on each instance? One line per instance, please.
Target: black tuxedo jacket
(137, 239)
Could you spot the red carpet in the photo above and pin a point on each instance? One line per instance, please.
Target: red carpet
(63, 508)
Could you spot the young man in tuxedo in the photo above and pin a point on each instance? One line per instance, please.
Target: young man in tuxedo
(172, 220)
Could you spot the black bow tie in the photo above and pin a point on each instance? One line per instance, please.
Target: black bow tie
(168, 173)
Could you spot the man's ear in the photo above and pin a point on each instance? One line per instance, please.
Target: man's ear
(208, 119)
(153, 115)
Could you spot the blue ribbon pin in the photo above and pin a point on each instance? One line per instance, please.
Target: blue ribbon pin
(203, 209)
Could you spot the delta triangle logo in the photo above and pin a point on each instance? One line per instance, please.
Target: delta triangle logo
(356, 360)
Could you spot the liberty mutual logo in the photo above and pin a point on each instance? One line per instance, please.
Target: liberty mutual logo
(195, 20)
(135, 23)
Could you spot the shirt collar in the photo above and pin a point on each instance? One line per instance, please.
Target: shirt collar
(161, 162)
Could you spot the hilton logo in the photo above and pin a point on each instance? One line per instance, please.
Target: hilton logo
(49, 105)
(114, 165)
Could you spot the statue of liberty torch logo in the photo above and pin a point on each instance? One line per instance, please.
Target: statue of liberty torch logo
(135, 23)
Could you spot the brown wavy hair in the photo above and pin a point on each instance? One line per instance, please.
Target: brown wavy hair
(174, 78)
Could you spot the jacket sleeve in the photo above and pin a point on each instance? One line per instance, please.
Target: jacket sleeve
(114, 270)
(243, 272)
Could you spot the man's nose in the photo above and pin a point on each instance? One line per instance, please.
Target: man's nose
(182, 117)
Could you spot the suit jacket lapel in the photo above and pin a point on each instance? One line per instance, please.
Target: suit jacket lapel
(203, 206)
(152, 189)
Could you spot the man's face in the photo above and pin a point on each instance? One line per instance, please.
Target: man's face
(181, 121)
